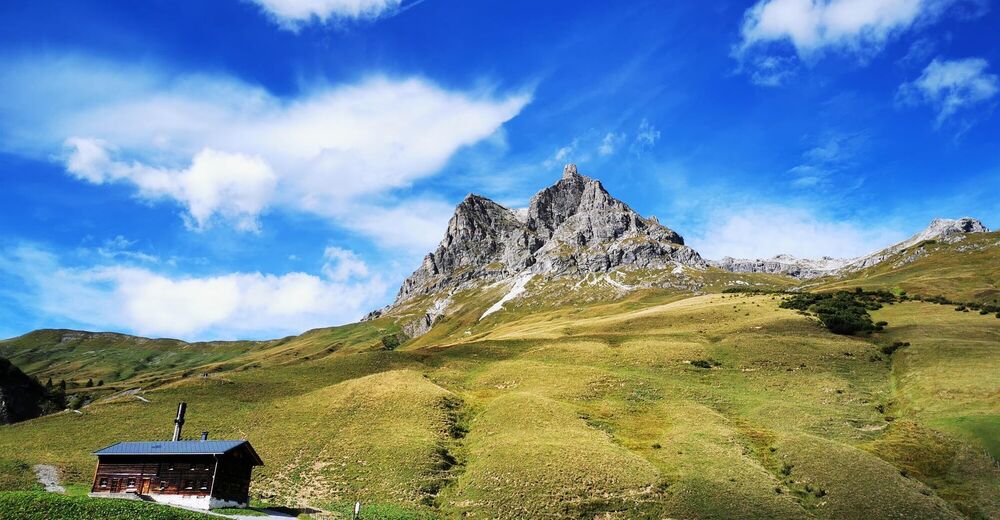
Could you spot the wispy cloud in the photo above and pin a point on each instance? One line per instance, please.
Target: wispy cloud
(951, 86)
(610, 143)
(645, 137)
(562, 155)
(226, 151)
(831, 154)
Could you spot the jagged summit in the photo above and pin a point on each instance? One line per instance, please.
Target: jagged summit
(574, 227)
(804, 268)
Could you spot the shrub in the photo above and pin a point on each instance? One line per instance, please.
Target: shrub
(961, 308)
(889, 349)
(842, 312)
(702, 363)
(390, 341)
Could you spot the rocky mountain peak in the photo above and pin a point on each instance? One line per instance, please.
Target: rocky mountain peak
(573, 227)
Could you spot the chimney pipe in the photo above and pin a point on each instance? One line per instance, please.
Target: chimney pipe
(179, 421)
(204, 436)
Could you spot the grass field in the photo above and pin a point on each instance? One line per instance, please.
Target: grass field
(50, 506)
(590, 410)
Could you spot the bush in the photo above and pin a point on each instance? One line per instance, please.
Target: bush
(706, 363)
(842, 312)
(390, 341)
(889, 349)
(961, 308)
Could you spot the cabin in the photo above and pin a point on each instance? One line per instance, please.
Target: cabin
(201, 474)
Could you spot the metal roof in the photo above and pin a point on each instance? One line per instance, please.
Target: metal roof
(176, 448)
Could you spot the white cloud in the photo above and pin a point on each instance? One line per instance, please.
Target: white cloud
(291, 13)
(224, 306)
(860, 27)
(951, 86)
(234, 186)
(645, 137)
(342, 264)
(228, 150)
(765, 231)
(811, 25)
(610, 143)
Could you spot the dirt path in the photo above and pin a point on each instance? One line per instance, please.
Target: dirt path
(48, 476)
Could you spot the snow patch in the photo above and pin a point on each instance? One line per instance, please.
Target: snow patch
(519, 287)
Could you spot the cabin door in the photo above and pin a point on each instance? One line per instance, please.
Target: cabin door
(144, 489)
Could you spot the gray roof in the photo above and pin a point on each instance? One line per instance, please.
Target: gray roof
(175, 448)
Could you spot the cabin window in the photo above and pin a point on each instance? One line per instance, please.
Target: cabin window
(131, 482)
(163, 485)
(188, 484)
(104, 482)
(203, 485)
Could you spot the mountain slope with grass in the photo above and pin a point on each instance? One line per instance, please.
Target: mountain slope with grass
(665, 388)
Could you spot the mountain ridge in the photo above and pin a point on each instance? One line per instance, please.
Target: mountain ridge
(948, 230)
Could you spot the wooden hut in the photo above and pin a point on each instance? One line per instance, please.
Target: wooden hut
(202, 474)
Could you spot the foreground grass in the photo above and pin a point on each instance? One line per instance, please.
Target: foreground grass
(50, 506)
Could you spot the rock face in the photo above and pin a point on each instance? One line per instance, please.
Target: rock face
(21, 397)
(787, 265)
(947, 230)
(574, 227)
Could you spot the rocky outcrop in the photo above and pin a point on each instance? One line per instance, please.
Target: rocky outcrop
(946, 230)
(787, 265)
(574, 227)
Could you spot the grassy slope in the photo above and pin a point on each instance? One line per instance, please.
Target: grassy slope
(77, 356)
(968, 271)
(586, 409)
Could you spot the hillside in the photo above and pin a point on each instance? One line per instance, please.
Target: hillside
(646, 384)
(963, 271)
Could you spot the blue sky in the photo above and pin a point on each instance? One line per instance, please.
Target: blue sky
(255, 168)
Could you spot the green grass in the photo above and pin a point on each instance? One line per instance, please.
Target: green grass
(50, 506)
(378, 511)
(591, 409)
(16, 475)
